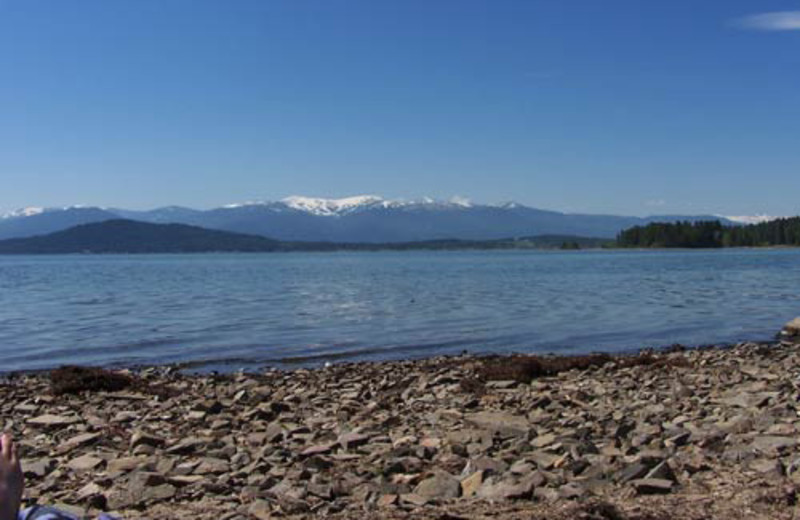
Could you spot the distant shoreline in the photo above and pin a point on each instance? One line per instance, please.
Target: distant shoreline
(413, 250)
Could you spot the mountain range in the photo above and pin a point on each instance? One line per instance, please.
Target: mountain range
(365, 219)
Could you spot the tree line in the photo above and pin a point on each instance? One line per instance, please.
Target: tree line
(780, 232)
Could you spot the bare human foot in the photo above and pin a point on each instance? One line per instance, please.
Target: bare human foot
(11, 481)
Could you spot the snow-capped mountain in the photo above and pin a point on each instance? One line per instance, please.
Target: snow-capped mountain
(363, 218)
(751, 219)
(334, 207)
(323, 207)
(23, 212)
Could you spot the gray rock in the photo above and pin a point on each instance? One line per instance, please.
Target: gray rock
(84, 463)
(50, 420)
(662, 471)
(772, 444)
(485, 464)
(212, 465)
(543, 441)
(186, 446)
(630, 472)
(140, 438)
(497, 489)
(414, 499)
(260, 510)
(650, 486)
(37, 468)
(440, 485)
(116, 467)
(500, 422)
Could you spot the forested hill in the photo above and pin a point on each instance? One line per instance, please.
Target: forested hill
(780, 232)
(128, 236)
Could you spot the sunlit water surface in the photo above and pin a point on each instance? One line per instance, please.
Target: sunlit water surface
(236, 311)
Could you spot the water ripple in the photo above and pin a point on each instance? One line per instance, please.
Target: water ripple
(248, 310)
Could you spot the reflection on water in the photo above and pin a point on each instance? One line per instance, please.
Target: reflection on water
(247, 310)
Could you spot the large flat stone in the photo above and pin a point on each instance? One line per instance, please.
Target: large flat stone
(500, 422)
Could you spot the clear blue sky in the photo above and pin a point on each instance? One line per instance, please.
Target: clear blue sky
(616, 106)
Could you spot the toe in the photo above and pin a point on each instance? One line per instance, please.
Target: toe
(5, 446)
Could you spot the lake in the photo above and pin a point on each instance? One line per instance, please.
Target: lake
(231, 311)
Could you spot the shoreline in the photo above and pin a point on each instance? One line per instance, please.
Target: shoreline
(682, 433)
(195, 367)
(389, 249)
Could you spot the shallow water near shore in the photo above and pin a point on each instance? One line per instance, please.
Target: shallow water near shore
(231, 311)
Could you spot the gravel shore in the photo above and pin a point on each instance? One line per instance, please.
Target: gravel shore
(694, 434)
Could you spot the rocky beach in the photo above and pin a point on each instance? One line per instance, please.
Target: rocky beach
(680, 433)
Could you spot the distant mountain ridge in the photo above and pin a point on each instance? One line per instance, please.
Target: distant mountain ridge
(365, 218)
(121, 236)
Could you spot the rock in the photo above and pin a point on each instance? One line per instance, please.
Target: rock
(186, 446)
(440, 485)
(495, 489)
(746, 399)
(471, 484)
(502, 385)
(387, 500)
(212, 465)
(125, 464)
(142, 488)
(352, 440)
(500, 422)
(650, 486)
(522, 467)
(486, 464)
(140, 438)
(414, 499)
(792, 329)
(260, 510)
(50, 420)
(89, 490)
(275, 432)
(571, 491)
(81, 440)
(185, 480)
(543, 441)
(632, 471)
(772, 444)
(662, 471)
(37, 468)
(158, 493)
(84, 463)
(319, 449)
(679, 439)
(75, 511)
(543, 459)
(323, 491)
(770, 466)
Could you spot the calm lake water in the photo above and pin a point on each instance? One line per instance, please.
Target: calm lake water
(235, 311)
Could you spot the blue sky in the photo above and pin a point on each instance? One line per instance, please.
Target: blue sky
(620, 106)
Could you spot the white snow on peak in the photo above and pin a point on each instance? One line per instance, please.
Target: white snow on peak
(332, 207)
(461, 201)
(510, 204)
(24, 212)
(750, 219)
(244, 204)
